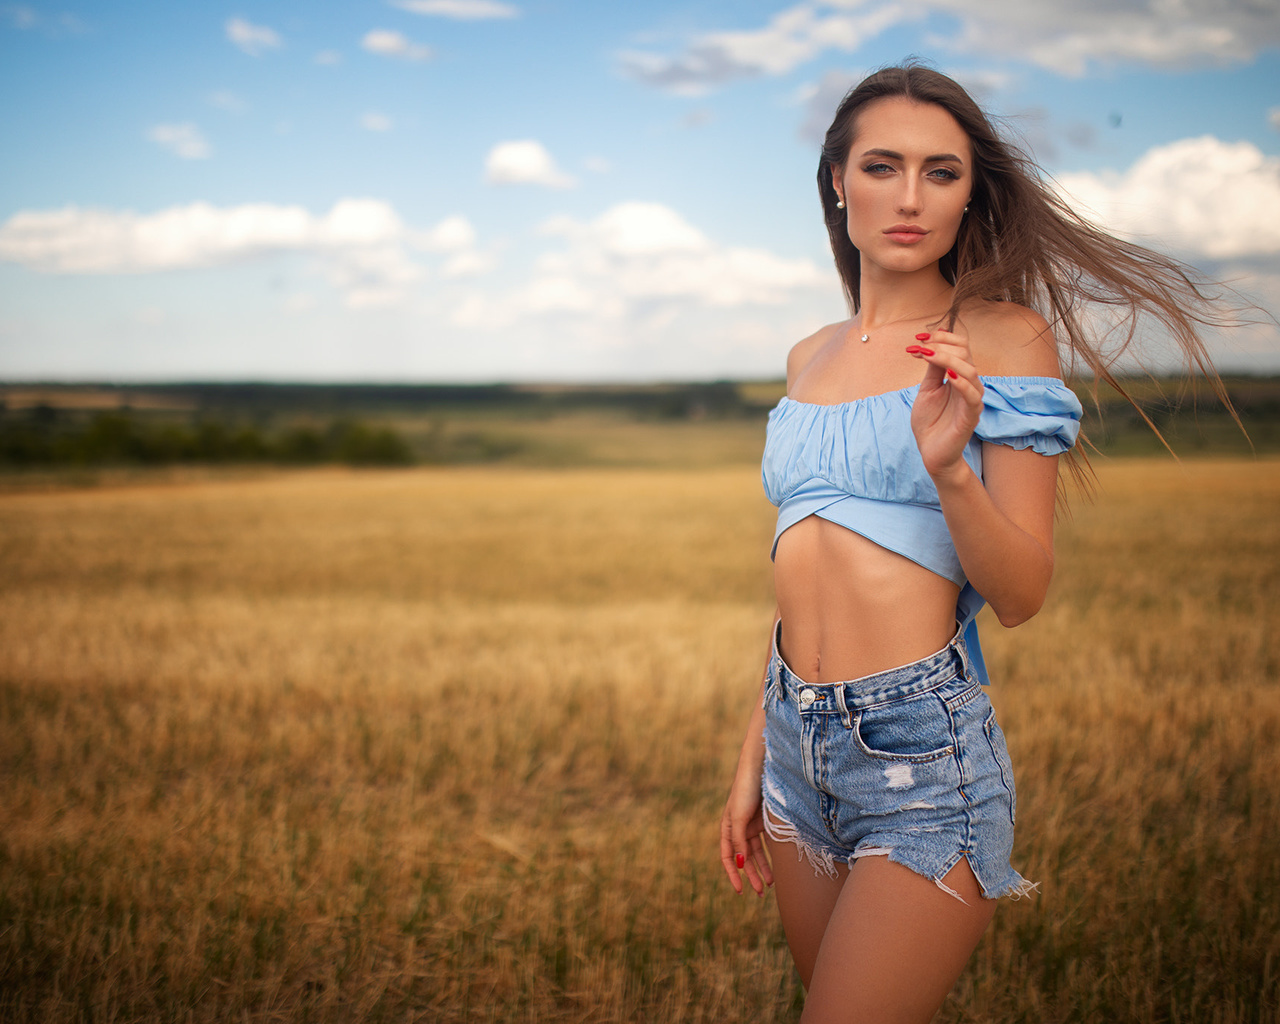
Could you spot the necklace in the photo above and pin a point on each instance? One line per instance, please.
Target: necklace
(864, 338)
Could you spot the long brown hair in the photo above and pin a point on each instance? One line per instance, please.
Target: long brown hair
(1019, 242)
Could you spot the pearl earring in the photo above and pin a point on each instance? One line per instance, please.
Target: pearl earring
(839, 204)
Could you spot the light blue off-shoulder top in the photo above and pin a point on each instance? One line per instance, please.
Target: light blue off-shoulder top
(856, 464)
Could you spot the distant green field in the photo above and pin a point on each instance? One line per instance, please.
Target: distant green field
(74, 428)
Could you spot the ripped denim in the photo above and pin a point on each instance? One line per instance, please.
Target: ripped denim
(909, 764)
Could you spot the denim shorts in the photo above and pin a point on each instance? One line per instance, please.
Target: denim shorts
(908, 763)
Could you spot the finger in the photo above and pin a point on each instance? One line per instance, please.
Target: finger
(755, 863)
(951, 366)
(750, 855)
(936, 368)
(751, 869)
(940, 341)
(968, 389)
(743, 858)
(735, 879)
(728, 857)
(761, 859)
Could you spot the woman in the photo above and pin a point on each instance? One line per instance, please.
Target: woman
(914, 463)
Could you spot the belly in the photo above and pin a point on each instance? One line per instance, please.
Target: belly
(850, 607)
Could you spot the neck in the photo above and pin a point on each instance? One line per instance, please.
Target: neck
(888, 297)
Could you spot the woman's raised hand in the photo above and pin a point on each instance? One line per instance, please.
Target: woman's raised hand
(947, 407)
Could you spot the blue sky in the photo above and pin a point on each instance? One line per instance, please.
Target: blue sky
(454, 190)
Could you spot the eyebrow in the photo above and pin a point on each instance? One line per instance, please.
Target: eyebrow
(946, 157)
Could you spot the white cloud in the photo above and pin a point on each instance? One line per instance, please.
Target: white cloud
(524, 161)
(389, 43)
(184, 140)
(453, 234)
(1065, 38)
(820, 102)
(461, 10)
(363, 247)
(455, 237)
(225, 99)
(252, 39)
(469, 264)
(328, 58)
(25, 18)
(1205, 197)
(638, 254)
(375, 122)
(371, 276)
(20, 16)
(793, 37)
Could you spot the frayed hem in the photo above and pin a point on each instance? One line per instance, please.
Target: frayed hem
(780, 830)
(1020, 889)
(824, 862)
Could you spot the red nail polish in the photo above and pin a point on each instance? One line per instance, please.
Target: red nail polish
(913, 349)
(922, 336)
(926, 351)
(740, 860)
(952, 374)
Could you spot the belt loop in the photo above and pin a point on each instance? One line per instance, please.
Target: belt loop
(958, 645)
(843, 704)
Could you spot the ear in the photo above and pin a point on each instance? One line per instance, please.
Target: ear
(837, 181)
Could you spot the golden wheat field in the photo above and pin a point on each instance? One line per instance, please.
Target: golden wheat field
(451, 745)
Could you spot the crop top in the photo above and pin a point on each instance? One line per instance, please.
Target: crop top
(857, 465)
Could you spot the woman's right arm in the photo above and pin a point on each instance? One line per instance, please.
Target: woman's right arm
(742, 823)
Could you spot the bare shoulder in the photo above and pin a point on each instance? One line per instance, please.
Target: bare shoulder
(1009, 340)
(802, 352)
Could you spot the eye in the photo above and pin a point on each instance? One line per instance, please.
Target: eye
(878, 168)
(944, 174)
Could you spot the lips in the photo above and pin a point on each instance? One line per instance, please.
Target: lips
(905, 234)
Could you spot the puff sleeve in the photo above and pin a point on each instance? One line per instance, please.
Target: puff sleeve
(1040, 413)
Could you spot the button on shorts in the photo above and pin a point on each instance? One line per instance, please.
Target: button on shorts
(909, 763)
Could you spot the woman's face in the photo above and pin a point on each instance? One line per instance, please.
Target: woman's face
(905, 183)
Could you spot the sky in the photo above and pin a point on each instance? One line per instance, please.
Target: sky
(558, 190)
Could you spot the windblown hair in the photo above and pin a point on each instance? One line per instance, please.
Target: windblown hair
(1020, 242)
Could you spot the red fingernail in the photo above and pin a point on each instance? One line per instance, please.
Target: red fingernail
(740, 860)
(913, 349)
(926, 351)
(922, 336)
(952, 374)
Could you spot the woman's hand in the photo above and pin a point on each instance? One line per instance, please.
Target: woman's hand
(947, 407)
(742, 829)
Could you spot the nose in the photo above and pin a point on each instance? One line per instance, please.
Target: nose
(909, 197)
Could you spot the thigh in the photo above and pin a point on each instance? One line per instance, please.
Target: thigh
(806, 897)
(894, 944)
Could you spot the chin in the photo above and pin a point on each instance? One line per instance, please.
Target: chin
(903, 262)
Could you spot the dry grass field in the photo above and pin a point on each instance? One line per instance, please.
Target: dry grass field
(451, 745)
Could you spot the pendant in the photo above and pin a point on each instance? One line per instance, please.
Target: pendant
(866, 337)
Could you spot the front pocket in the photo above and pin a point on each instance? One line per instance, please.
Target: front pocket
(916, 730)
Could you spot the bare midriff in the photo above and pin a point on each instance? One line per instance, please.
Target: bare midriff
(851, 608)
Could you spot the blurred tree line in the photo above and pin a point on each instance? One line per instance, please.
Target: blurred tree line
(53, 425)
(46, 436)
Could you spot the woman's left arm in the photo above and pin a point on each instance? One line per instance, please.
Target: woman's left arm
(1003, 529)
